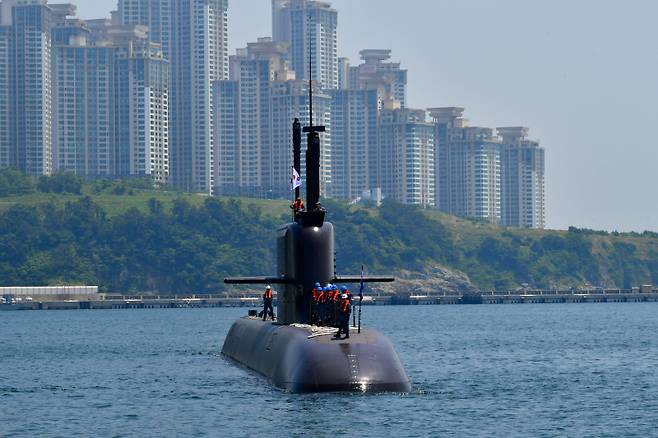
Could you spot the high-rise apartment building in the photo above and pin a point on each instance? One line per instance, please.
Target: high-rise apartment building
(26, 83)
(266, 171)
(290, 100)
(69, 102)
(310, 29)
(468, 169)
(112, 102)
(247, 162)
(83, 91)
(406, 156)
(354, 142)
(146, 96)
(5, 97)
(522, 169)
(364, 91)
(254, 111)
(194, 39)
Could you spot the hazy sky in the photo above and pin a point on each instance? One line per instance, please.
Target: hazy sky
(583, 75)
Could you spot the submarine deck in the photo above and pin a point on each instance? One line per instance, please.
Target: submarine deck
(326, 334)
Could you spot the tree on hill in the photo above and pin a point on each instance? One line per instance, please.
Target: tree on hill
(61, 182)
(15, 183)
(189, 248)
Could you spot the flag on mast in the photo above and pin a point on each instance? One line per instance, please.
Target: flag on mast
(361, 286)
(295, 179)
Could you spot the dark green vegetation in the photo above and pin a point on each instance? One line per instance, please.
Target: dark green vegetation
(128, 238)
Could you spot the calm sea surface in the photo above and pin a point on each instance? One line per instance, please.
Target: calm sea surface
(511, 370)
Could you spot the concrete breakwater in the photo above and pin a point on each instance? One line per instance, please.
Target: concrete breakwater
(110, 301)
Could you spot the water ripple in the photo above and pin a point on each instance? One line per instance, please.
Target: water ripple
(543, 370)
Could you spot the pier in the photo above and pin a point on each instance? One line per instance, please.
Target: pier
(635, 295)
(108, 302)
(99, 301)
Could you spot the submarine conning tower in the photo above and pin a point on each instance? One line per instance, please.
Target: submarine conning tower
(305, 247)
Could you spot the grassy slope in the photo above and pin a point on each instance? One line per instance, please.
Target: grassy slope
(118, 204)
(605, 248)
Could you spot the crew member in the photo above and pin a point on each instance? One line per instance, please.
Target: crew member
(344, 290)
(329, 311)
(297, 206)
(322, 297)
(267, 303)
(335, 298)
(345, 308)
(315, 314)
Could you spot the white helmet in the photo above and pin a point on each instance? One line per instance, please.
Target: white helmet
(268, 287)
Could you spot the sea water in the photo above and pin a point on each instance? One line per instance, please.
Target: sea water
(493, 370)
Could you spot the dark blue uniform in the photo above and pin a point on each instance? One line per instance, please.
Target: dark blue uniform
(268, 308)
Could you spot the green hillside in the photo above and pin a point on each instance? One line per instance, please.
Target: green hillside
(126, 237)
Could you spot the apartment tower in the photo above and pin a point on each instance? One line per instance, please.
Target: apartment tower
(194, 39)
(26, 83)
(112, 102)
(523, 193)
(310, 29)
(247, 162)
(406, 156)
(468, 171)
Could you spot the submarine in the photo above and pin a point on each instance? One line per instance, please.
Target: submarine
(293, 354)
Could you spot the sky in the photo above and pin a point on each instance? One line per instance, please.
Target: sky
(582, 75)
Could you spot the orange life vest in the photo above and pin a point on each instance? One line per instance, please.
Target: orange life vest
(316, 295)
(321, 297)
(336, 295)
(345, 306)
(268, 294)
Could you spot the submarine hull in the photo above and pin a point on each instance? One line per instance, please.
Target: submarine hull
(296, 363)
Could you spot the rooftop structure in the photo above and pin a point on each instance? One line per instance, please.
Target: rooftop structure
(374, 72)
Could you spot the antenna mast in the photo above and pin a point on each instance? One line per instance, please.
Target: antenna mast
(313, 140)
(310, 76)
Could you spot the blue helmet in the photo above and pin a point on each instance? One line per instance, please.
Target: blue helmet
(317, 285)
(343, 288)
